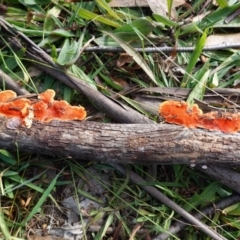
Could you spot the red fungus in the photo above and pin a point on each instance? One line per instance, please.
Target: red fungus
(225, 122)
(17, 108)
(65, 111)
(7, 95)
(47, 96)
(24, 110)
(48, 109)
(40, 109)
(58, 110)
(180, 113)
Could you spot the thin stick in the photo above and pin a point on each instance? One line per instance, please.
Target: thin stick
(11, 84)
(209, 210)
(168, 202)
(164, 49)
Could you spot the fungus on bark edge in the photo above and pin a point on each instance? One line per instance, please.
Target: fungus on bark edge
(181, 113)
(44, 109)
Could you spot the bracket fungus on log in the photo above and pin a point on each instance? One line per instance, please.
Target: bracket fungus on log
(47, 96)
(182, 114)
(22, 111)
(58, 110)
(7, 95)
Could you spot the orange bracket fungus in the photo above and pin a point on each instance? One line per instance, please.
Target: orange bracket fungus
(182, 114)
(7, 95)
(58, 110)
(22, 111)
(47, 96)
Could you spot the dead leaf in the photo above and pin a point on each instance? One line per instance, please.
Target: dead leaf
(199, 17)
(161, 7)
(124, 84)
(128, 3)
(177, 3)
(221, 39)
(49, 237)
(236, 83)
(3, 9)
(123, 59)
(34, 71)
(158, 7)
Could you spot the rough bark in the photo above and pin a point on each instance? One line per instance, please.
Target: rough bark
(124, 143)
(227, 176)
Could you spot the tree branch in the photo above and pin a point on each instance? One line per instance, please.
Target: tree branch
(124, 143)
(227, 176)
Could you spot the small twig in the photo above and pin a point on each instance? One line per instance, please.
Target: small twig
(209, 210)
(168, 202)
(135, 230)
(11, 84)
(33, 96)
(159, 49)
(232, 16)
(227, 176)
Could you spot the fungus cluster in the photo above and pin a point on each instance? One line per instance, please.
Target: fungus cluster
(22, 111)
(182, 114)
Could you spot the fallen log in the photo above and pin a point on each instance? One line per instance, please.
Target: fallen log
(123, 143)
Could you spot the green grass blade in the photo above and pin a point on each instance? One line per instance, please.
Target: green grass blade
(49, 23)
(222, 3)
(3, 225)
(42, 199)
(131, 33)
(89, 196)
(7, 157)
(121, 188)
(210, 20)
(230, 61)
(194, 58)
(108, 223)
(199, 89)
(109, 81)
(94, 17)
(135, 55)
(208, 193)
(68, 94)
(104, 5)
(70, 52)
(134, 104)
(222, 13)
(78, 72)
(9, 62)
(169, 5)
(32, 32)
(25, 73)
(143, 25)
(165, 21)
